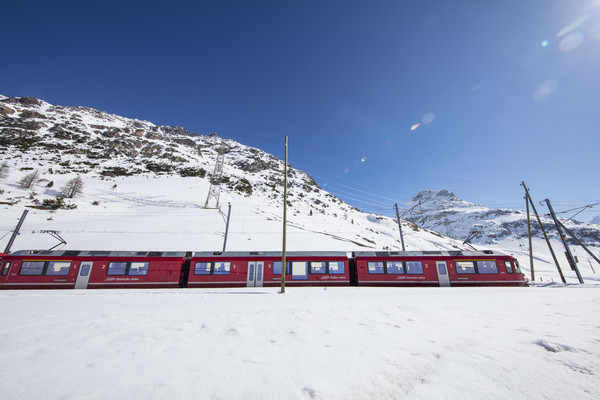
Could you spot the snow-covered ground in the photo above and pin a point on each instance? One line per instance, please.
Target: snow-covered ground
(344, 343)
(309, 343)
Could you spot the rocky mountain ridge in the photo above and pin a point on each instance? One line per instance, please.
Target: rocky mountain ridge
(87, 141)
(443, 212)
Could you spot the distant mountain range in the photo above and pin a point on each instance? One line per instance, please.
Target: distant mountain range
(443, 212)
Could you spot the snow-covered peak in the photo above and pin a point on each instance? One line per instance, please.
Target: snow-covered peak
(435, 201)
(438, 195)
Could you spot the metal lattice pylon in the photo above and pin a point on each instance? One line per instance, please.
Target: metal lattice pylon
(215, 179)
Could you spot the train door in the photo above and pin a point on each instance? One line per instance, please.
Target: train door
(83, 277)
(255, 273)
(442, 271)
(5, 271)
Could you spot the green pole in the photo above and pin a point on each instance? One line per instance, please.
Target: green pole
(283, 264)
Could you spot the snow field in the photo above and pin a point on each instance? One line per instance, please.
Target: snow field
(310, 343)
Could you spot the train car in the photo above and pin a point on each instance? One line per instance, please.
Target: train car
(75, 269)
(257, 269)
(438, 268)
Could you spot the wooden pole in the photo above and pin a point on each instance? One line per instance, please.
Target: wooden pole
(568, 253)
(529, 235)
(562, 277)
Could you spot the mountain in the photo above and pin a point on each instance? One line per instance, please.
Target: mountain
(146, 186)
(595, 220)
(443, 212)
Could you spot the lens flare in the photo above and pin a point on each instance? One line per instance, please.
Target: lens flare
(570, 42)
(476, 88)
(545, 43)
(594, 33)
(428, 118)
(415, 126)
(572, 26)
(545, 90)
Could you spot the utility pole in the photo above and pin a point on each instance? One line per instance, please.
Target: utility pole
(16, 231)
(579, 242)
(562, 277)
(529, 236)
(227, 228)
(562, 238)
(283, 263)
(399, 226)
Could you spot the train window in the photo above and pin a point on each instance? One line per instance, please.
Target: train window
(5, 269)
(277, 268)
(517, 268)
(376, 267)
(138, 268)
(85, 270)
(222, 268)
(58, 268)
(487, 267)
(414, 267)
(202, 268)
(441, 268)
(465, 267)
(337, 267)
(299, 270)
(32, 268)
(318, 267)
(395, 267)
(508, 266)
(116, 268)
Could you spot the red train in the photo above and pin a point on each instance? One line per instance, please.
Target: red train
(73, 269)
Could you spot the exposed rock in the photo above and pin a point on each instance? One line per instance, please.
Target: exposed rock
(151, 150)
(152, 135)
(185, 141)
(6, 110)
(31, 114)
(24, 101)
(174, 130)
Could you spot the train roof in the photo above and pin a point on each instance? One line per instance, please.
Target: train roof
(445, 253)
(98, 253)
(246, 254)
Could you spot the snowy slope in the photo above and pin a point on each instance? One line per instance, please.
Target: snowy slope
(145, 187)
(139, 194)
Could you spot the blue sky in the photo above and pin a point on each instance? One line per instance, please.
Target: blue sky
(504, 91)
